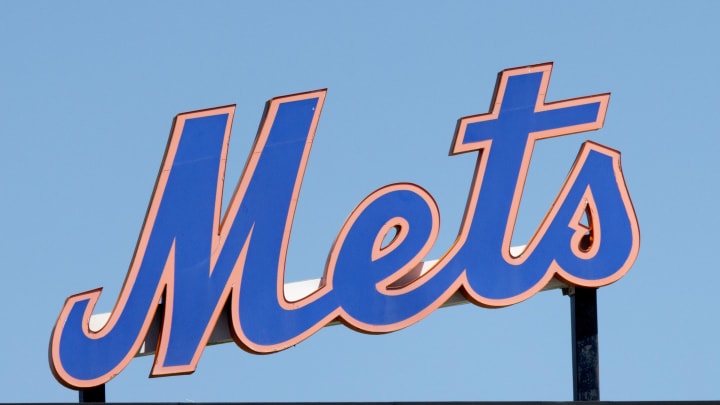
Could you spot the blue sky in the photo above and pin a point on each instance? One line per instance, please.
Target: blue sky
(87, 96)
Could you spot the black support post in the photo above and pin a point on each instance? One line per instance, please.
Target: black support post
(94, 394)
(585, 357)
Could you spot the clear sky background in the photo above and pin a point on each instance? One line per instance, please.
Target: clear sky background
(88, 93)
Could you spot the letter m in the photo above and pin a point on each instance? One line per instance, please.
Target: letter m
(187, 261)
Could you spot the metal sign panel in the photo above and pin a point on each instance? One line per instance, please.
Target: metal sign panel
(190, 261)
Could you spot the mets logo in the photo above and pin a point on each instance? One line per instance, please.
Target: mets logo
(191, 262)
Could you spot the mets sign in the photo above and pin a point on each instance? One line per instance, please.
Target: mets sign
(190, 263)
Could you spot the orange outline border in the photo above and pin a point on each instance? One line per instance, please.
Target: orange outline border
(165, 284)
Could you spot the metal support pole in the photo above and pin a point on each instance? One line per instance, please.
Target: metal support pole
(94, 394)
(585, 357)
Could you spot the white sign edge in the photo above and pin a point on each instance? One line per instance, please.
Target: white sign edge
(293, 291)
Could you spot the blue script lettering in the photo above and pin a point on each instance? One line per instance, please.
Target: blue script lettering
(191, 262)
